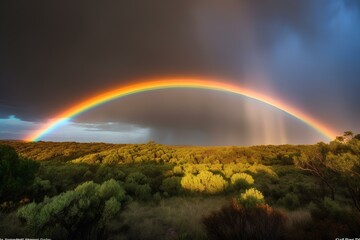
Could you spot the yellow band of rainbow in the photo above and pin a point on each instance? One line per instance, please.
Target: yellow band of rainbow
(158, 84)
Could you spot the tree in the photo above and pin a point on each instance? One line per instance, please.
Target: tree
(313, 159)
(16, 174)
(344, 161)
(334, 163)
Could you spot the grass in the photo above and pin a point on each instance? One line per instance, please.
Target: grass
(10, 225)
(172, 218)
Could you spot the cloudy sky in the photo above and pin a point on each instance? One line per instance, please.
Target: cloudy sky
(54, 54)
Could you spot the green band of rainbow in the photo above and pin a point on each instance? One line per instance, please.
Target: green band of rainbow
(193, 83)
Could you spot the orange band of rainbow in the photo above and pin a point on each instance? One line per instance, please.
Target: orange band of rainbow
(175, 83)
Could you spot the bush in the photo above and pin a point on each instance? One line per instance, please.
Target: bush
(137, 185)
(290, 201)
(251, 198)
(205, 181)
(239, 222)
(332, 220)
(171, 185)
(41, 188)
(241, 180)
(78, 214)
(106, 172)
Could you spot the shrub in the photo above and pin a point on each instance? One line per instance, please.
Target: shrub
(251, 198)
(192, 183)
(41, 188)
(137, 185)
(332, 220)
(205, 181)
(290, 201)
(171, 185)
(239, 222)
(178, 170)
(78, 214)
(106, 172)
(241, 180)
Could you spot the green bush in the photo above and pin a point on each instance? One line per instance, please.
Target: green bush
(78, 214)
(106, 172)
(41, 188)
(171, 185)
(136, 185)
(290, 201)
(330, 220)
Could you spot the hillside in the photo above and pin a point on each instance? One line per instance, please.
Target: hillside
(147, 191)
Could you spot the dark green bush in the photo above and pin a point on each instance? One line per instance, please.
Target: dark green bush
(238, 222)
(290, 201)
(136, 185)
(106, 172)
(331, 220)
(171, 185)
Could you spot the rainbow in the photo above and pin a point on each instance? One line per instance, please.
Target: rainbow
(150, 85)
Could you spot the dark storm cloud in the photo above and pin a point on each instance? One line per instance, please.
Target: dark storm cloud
(55, 53)
(198, 117)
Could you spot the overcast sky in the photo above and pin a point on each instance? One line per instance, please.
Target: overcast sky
(55, 53)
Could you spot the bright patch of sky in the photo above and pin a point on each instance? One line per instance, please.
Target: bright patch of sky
(15, 128)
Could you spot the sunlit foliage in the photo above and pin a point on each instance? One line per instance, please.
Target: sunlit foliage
(251, 198)
(323, 178)
(241, 180)
(205, 181)
(60, 151)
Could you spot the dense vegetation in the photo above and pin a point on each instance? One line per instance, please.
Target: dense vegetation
(153, 191)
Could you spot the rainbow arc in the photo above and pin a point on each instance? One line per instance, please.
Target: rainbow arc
(150, 85)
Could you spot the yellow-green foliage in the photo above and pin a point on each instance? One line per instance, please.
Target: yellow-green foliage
(91, 203)
(192, 183)
(228, 170)
(195, 168)
(242, 177)
(132, 153)
(116, 153)
(205, 181)
(240, 167)
(64, 151)
(177, 170)
(251, 197)
(256, 168)
(216, 167)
